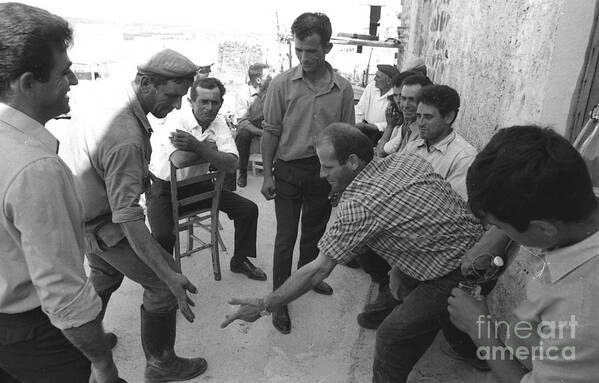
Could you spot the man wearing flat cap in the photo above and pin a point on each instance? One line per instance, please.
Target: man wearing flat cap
(370, 110)
(108, 151)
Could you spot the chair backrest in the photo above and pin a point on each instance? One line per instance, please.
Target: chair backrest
(187, 206)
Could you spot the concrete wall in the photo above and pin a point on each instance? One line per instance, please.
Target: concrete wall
(512, 61)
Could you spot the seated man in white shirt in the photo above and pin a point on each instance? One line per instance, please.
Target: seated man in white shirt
(370, 110)
(195, 135)
(445, 149)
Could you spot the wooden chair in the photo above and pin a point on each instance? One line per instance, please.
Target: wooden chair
(186, 215)
(255, 158)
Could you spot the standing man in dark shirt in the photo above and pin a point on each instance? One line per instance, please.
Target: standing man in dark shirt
(109, 154)
(299, 104)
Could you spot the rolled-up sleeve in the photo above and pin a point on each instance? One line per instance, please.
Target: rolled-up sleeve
(348, 114)
(124, 179)
(47, 214)
(347, 236)
(274, 108)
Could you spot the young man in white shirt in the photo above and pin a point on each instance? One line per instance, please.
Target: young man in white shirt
(535, 187)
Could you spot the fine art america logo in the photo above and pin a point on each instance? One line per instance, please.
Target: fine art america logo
(552, 340)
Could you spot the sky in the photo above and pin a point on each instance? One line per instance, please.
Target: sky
(232, 15)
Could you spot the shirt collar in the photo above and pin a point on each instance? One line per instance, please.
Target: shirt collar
(28, 126)
(252, 91)
(441, 145)
(562, 261)
(298, 73)
(386, 95)
(136, 108)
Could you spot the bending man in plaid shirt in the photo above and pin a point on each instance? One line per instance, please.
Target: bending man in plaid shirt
(403, 211)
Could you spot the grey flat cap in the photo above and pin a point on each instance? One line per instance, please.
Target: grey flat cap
(168, 63)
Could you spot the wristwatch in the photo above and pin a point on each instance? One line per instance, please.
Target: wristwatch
(265, 310)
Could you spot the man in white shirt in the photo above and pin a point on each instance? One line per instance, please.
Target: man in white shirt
(534, 186)
(445, 149)
(50, 322)
(370, 110)
(196, 135)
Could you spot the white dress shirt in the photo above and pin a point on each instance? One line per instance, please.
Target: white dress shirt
(372, 105)
(451, 157)
(184, 119)
(41, 227)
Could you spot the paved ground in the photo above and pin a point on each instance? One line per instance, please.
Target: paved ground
(325, 345)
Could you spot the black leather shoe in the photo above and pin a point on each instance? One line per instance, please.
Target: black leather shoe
(111, 339)
(383, 301)
(249, 270)
(323, 288)
(373, 319)
(281, 320)
(242, 180)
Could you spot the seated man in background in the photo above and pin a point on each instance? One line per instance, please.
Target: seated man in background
(446, 150)
(191, 136)
(370, 110)
(534, 186)
(405, 92)
(401, 209)
(250, 115)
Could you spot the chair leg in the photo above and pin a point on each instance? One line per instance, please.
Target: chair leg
(214, 237)
(221, 242)
(189, 234)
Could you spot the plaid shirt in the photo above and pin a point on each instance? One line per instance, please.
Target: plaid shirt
(405, 212)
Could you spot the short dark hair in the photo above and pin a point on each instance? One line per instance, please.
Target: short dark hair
(529, 173)
(347, 139)
(442, 97)
(398, 79)
(310, 23)
(256, 70)
(416, 79)
(206, 83)
(29, 36)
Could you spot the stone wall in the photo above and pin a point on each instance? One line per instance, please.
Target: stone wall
(497, 54)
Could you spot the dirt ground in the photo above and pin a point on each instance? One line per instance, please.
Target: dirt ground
(326, 345)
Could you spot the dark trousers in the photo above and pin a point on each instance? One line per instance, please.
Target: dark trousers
(375, 266)
(243, 139)
(242, 211)
(32, 350)
(299, 189)
(411, 328)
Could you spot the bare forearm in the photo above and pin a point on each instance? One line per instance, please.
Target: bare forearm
(300, 282)
(148, 250)
(183, 159)
(90, 340)
(269, 148)
(226, 162)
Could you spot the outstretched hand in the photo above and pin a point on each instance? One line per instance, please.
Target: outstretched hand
(249, 310)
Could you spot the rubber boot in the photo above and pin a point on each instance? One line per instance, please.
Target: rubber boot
(158, 340)
(110, 337)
